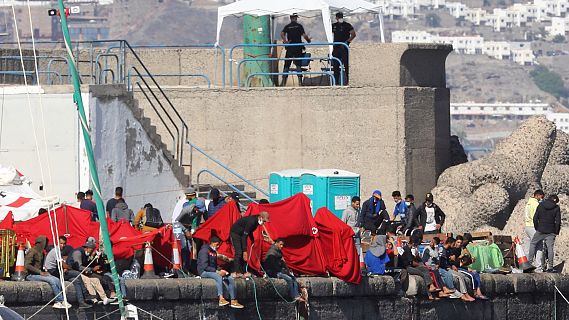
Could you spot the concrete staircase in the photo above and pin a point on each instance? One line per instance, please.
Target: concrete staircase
(156, 139)
(204, 189)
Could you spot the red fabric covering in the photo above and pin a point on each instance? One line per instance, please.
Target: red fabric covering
(290, 219)
(8, 222)
(335, 237)
(77, 226)
(220, 225)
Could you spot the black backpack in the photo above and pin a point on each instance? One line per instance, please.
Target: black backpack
(153, 218)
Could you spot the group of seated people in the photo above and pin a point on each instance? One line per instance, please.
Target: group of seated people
(443, 265)
(85, 267)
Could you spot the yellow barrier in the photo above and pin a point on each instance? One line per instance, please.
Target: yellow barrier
(7, 252)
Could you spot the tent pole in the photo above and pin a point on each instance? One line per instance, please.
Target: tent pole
(256, 30)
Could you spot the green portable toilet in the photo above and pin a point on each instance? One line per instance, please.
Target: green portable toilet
(341, 186)
(284, 184)
(330, 188)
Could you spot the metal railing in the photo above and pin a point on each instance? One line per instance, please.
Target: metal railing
(230, 185)
(291, 72)
(265, 45)
(129, 76)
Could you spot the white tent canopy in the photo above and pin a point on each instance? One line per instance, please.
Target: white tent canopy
(302, 7)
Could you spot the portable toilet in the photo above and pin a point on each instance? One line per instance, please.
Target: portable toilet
(330, 188)
(284, 184)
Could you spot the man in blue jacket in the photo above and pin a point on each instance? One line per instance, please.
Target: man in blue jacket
(373, 215)
(207, 268)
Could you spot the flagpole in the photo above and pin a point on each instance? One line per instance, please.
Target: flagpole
(92, 165)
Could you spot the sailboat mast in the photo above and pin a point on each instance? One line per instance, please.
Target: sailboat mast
(92, 166)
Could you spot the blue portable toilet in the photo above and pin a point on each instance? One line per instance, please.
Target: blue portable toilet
(284, 184)
(330, 188)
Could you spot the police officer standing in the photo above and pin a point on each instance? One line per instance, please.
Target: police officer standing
(293, 33)
(343, 32)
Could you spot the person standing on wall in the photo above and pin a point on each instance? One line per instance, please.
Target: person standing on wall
(343, 32)
(293, 33)
(431, 217)
(529, 213)
(547, 222)
(240, 231)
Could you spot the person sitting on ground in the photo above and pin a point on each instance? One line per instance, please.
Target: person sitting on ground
(207, 268)
(430, 258)
(462, 259)
(148, 219)
(33, 266)
(240, 231)
(431, 217)
(445, 263)
(81, 260)
(376, 257)
(275, 267)
(90, 205)
(217, 202)
(547, 223)
(414, 266)
(122, 212)
(50, 265)
(373, 214)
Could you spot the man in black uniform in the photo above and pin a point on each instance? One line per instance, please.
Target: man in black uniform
(293, 33)
(238, 234)
(343, 32)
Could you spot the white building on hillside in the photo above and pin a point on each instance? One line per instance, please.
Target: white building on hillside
(497, 49)
(477, 16)
(464, 45)
(555, 8)
(457, 9)
(412, 37)
(430, 3)
(558, 27)
(521, 53)
(398, 8)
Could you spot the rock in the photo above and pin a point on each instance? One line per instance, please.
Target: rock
(516, 223)
(485, 191)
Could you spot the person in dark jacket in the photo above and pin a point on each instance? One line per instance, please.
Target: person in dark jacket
(207, 268)
(374, 216)
(547, 223)
(431, 217)
(217, 202)
(34, 271)
(411, 261)
(240, 230)
(275, 267)
(412, 222)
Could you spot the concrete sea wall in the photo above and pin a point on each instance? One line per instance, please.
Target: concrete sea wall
(518, 296)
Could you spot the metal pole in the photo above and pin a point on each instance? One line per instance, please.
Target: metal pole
(92, 165)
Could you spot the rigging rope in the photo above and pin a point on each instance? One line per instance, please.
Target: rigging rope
(55, 239)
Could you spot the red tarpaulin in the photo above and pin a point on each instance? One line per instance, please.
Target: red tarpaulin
(8, 222)
(336, 239)
(77, 226)
(220, 225)
(290, 219)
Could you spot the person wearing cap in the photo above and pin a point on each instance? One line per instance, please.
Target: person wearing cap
(80, 260)
(373, 215)
(376, 257)
(216, 203)
(207, 268)
(113, 202)
(343, 32)
(431, 217)
(293, 33)
(240, 230)
(275, 267)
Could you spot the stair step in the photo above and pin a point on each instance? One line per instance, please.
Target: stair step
(250, 194)
(207, 187)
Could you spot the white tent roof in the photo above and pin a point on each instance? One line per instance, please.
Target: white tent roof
(287, 7)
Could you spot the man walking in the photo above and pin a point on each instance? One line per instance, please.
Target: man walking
(343, 32)
(293, 33)
(547, 222)
(529, 213)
